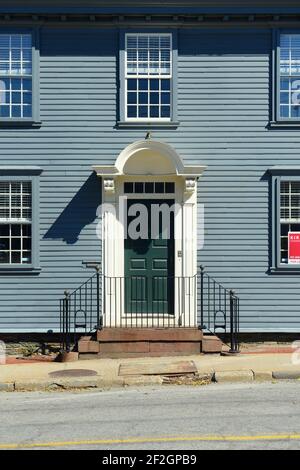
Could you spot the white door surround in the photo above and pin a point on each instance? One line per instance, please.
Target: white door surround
(142, 161)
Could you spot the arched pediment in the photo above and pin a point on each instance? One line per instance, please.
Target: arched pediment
(148, 157)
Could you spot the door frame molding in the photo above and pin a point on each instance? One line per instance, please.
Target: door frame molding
(185, 242)
(148, 160)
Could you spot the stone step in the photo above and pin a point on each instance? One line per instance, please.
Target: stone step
(88, 346)
(149, 334)
(140, 342)
(211, 344)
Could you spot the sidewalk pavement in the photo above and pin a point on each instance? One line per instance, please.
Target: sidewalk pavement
(216, 368)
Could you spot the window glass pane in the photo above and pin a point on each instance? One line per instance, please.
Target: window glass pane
(4, 111)
(27, 111)
(16, 230)
(26, 230)
(284, 98)
(4, 243)
(132, 111)
(149, 187)
(154, 84)
(165, 111)
(4, 230)
(131, 84)
(16, 257)
(4, 257)
(139, 187)
(128, 187)
(170, 187)
(154, 98)
(16, 111)
(165, 98)
(132, 98)
(284, 111)
(154, 111)
(26, 257)
(16, 243)
(143, 84)
(143, 98)
(159, 187)
(295, 111)
(143, 111)
(26, 243)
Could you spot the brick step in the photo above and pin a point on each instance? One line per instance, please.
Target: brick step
(88, 346)
(155, 342)
(211, 344)
(149, 334)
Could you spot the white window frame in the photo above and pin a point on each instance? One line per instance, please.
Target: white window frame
(147, 77)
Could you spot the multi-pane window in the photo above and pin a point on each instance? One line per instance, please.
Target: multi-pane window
(15, 222)
(289, 214)
(290, 76)
(148, 75)
(149, 187)
(15, 76)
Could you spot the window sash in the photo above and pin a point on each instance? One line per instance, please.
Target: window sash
(289, 205)
(16, 75)
(289, 76)
(163, 98)
(15, 231)
(147, 60)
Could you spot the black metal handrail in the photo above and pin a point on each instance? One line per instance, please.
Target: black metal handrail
(219, 309)
(80, 311)
(149, 302)
(176, 301)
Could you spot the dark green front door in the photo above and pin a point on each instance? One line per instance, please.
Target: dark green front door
(149, 268)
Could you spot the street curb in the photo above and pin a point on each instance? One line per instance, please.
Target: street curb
(286, 375)
(102, 383)
(60, 384)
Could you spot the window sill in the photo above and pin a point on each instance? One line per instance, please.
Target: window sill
(19, 270)
(19, 123)
(285, 270)
(284, 124)
(148, 124)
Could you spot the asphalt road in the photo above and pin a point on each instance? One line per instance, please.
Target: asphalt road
(258, 416)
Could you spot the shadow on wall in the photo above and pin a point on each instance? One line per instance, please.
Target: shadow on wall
(80, 211)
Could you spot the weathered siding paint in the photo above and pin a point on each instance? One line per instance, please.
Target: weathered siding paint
(223, 109)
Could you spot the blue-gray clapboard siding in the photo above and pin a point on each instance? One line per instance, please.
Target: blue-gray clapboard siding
(223, 109)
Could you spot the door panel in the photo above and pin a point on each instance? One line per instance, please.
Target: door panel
(149, 269)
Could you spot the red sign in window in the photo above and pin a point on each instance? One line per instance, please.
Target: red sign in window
(294, 247)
